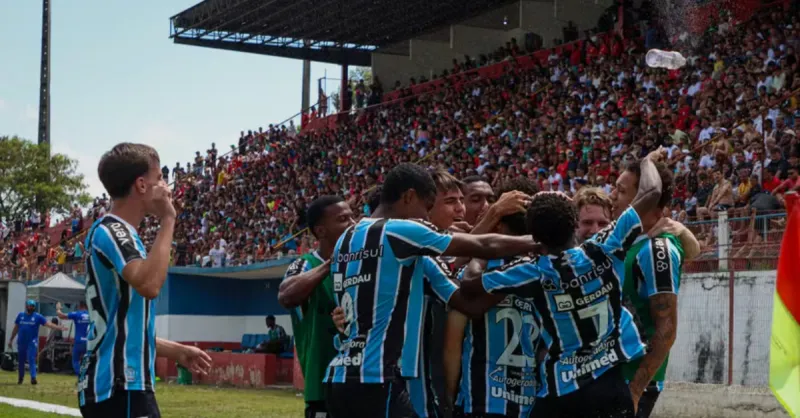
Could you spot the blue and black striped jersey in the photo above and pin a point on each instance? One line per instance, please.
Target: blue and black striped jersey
(379, 283)
(121, 347)
(655, 268)
(577, 298)
(498, 360)
(427, 392)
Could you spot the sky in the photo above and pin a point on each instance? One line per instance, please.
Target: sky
(116, 76)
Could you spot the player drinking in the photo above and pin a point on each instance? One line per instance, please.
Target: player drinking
(652, 278)
(117, 376)
(576, 297)
(79, 317)
(307, 291)
(27, 324)
(495, 355)
(378, 280)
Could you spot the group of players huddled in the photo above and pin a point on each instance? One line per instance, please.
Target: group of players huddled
(531, 304)
(451, 300)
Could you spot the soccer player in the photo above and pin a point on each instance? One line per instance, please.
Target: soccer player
(594, 211)
(379, 283)
(27, 324)
(307, 291)
(478, 196)
(117, 376)
(427, 392)
(576, 296)
(652, 278)
(496, 359)
(80, 318)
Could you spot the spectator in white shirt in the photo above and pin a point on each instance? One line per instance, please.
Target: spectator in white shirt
(217, 254)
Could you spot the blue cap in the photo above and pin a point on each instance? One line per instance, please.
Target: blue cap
(30, 302)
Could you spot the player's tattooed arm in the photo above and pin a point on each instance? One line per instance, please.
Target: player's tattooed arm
(649, 192)
(297, 288)
(664, 312)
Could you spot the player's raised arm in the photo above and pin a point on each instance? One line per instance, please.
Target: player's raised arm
(144, 272)
(148, 276)
(649, 192)
(412, 238)
(490, 246)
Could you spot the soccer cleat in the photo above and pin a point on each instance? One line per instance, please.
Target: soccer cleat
(19, 382)
(34, 382)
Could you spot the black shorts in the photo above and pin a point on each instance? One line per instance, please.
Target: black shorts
(370, 400)
(607, 397)
(316, 409)
(647, 403)
(124, 403)
(458, 412)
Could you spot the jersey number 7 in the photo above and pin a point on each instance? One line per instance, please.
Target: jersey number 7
(598, 314)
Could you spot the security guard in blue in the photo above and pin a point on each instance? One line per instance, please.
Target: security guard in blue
(27, 325)
(80, 318)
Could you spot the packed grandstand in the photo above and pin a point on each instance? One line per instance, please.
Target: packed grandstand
(568, 117)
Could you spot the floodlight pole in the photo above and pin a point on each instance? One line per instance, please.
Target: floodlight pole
(306, 99)
(44, 80)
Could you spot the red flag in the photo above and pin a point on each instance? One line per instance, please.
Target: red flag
(788, 285)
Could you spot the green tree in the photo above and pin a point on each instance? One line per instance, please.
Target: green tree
(355, 74)
(30, 178)
(361, 73)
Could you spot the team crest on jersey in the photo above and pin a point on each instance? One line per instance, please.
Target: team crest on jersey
(130, 374)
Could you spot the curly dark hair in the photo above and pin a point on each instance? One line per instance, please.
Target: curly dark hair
(516, 223)
(552, 219)
(404, 177)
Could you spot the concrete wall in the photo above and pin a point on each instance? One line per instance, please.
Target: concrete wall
(700, 353)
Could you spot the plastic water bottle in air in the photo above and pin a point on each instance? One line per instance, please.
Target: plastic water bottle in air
(671, 60)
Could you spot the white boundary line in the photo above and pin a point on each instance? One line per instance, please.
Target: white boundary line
(41, 406)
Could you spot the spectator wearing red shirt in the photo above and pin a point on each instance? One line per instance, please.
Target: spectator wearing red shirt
(771, 181)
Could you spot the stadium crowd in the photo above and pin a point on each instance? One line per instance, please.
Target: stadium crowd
(727, 120)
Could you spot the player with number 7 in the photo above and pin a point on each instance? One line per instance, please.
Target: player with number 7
(576, 293)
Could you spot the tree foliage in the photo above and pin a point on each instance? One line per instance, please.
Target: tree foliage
(355, 74)
(32, 179)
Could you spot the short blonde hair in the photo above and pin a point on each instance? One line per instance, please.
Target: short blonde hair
(592, 196)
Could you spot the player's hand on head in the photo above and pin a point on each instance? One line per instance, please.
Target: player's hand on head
(161, 205)
(339, 319)
(195, 359)
(512, 202)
